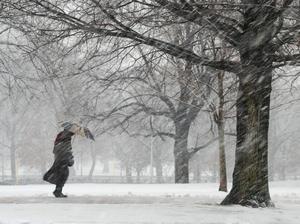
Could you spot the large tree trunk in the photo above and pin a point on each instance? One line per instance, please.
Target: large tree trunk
(250, 176)
(221, 135)
(181, 154)
(222, 159)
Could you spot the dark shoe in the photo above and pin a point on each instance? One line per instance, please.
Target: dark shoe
(57, 194)
(63, 195)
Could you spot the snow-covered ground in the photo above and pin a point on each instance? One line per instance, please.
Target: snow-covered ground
(142, 204)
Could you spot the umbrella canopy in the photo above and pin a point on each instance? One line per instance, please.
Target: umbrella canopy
(78, 130)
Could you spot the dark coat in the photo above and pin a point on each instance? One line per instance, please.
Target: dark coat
(63, 157)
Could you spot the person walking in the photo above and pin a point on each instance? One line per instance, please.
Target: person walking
(63, 159)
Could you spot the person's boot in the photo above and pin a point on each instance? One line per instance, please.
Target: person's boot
(63, 195)
(58, 193)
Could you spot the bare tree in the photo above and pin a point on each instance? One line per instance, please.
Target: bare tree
(259, 31)
(175, 103)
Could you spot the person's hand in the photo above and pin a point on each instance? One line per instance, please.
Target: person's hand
(71, 162)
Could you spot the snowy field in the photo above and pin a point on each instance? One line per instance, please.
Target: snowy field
(142, 204)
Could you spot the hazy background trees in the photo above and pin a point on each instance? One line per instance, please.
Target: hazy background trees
(112, 65)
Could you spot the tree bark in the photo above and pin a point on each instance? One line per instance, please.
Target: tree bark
(221, 135)
(222, 159)
(250, 176)
(181, 168)
(181, 154)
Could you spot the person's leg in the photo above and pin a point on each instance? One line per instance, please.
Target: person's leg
(64, 174)
(58, 191)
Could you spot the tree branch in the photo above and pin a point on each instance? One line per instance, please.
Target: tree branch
(57, 14)
(194, 150)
